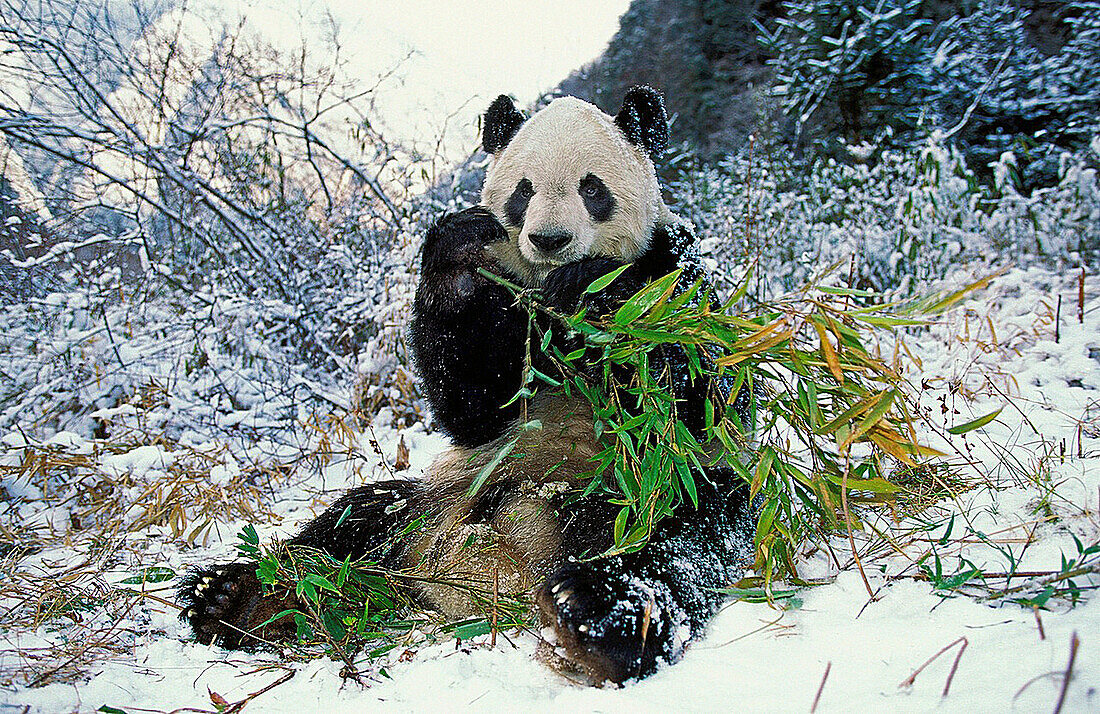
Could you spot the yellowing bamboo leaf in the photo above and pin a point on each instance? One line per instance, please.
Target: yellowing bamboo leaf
(932, 306)
(883, 402)
(830, 354)
(847, 415)
(763, 468)
(758, 335)
(892, 448)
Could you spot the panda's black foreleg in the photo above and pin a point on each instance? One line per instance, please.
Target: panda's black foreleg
(468, 337)
(619, 617)
(565, 286)
(368, 523)
(227, 605)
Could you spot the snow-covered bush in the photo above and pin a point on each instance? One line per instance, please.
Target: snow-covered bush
(902, 220)
(992, 75)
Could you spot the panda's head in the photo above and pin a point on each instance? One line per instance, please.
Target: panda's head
(572, 182)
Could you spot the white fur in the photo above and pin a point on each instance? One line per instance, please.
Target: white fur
(557, 147)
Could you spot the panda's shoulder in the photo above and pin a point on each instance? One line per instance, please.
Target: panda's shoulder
(673, 246)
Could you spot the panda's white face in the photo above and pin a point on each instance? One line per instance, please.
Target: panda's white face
(569, 185)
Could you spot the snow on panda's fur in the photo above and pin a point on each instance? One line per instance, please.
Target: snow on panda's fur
(571, 194)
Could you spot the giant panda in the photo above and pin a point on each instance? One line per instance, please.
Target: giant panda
(570, 194)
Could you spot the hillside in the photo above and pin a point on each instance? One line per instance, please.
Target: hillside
(813, 77)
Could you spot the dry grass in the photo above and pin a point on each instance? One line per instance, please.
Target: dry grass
(181, 497)
(57, 625)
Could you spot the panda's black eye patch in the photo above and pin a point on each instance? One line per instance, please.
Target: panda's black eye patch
(516, 205)
(597, 198)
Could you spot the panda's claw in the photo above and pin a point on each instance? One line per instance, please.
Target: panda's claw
(225, 605)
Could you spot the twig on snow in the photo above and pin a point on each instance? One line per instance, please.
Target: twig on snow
(1073, 643)
(908, 681)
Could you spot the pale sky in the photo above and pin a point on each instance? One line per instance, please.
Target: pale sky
(465, 53)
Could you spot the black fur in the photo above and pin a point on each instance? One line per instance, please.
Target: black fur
(620, 617)
(597, 198)
(516, 205)
(468, 337)
(643, 120)
(502, 121)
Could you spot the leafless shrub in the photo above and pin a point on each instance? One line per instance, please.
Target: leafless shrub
(196, 151)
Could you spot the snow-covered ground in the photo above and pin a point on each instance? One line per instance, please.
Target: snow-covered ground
(1029, 486)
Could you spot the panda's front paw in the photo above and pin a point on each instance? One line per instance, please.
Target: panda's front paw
(459, 238)
(225, 605)
(565, 286)
(454, 249)
(613, 626)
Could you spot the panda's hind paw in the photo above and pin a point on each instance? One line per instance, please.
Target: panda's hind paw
(613, 626)
(225, 605)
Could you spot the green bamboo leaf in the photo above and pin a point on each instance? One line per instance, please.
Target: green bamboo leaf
(767, 517)
(277, 616)
(688, 482)
(652, 294)
(249, 535)
(545, 378)
(342, 576)
(682, 299)
(320, 581)
(624, 485)
(620, 523)
(579, 352)
(152, 574)
(488, 468)
(523, 393)
(473, 628)
(888, 320)
(604, 280)
(632, 423)
(976, 424)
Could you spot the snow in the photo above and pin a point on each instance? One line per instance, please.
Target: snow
(1036, 491)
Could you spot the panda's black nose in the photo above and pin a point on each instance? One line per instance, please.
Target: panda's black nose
(550, 242)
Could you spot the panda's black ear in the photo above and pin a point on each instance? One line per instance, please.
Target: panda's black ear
(643, 120)
(502, 121)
